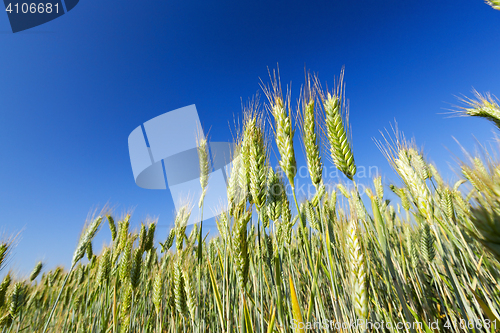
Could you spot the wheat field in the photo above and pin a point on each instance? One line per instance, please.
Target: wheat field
(340, 261)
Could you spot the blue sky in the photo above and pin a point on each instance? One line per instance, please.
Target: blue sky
(72, 90)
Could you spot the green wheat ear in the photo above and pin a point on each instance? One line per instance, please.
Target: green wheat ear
(86, 239)
(240, 248)
(337, 129)
(16, 299)
(283, 131)
(189, 289)
(427, 249)
(257, 163)
(179, 289)
(36, 271)
(311, 215)
(495, 4)
(181, 220)
(358, 271)
(485, 213)
(169, 242)
(413, 170)
(286, 219)
(447, 203)
(484, 106)
(125, 263)
(135, 273)
(142, 237)
(309, 137)
(4, 250)
(3, 288)
(203, 156)
(275, 191)
(125, 308)
(104, 266)
(112, 226)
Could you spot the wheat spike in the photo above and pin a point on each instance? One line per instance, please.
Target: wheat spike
(435, 175)
(379, 189)
(257, 164)
(142, 237)
(495, 4)
(337, 129)
(309, 137)
(150, 236)
(311, 215)
(414, 182)
(126, 262)
(80, 274)
(16, 299)
(244, 149)
(123, 232)
(191, 301)
(415, 253)
(125, 308)
(182, 217)
(484, 106)
(340, 149)
(36, 271)
(157, 290)
(104, 266)
(343, 191)
(427, 249)
(283, 130)
(112, 226)
(485, 213)
(240, 244)
(86, 239)
(358, 272)
(4, 252)
(3, 288)
(170, 239)
(275, 190)
(203, 157)
(179, 290)
(135, 272)
(419, 164)
(447, 203)
(233, 189)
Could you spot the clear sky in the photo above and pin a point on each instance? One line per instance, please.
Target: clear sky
(72, 90)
